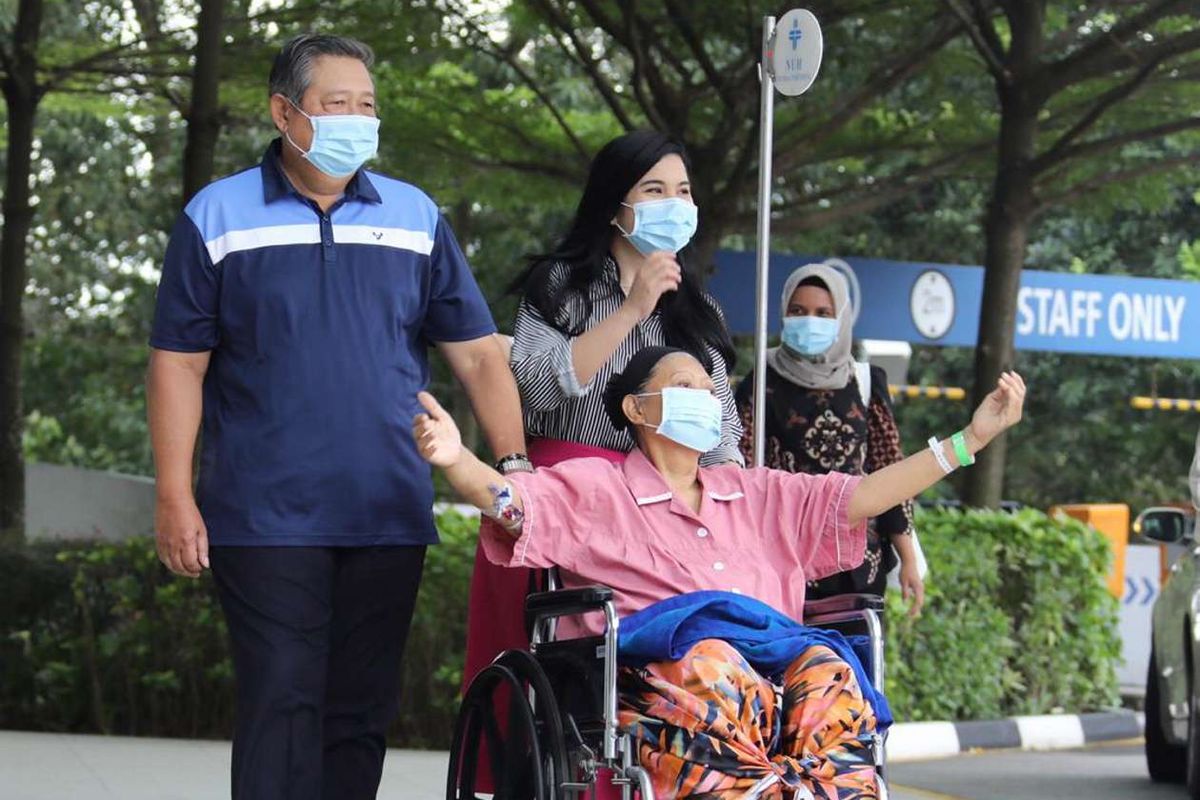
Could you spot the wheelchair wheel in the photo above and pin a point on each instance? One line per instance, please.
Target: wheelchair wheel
(510, 718)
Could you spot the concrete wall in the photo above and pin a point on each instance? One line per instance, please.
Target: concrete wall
(72, 503)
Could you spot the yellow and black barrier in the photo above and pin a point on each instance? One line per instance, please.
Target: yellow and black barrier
(1164, 404)
(931, 392)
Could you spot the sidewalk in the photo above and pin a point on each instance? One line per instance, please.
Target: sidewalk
(47, 766)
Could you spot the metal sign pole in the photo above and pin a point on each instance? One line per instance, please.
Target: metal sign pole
(789, 66)
(766, 130)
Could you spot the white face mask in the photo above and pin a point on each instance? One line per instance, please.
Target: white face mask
(667, 224)
(690, 417)
(341, 143)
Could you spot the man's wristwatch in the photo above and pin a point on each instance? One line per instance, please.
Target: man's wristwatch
(514, 462)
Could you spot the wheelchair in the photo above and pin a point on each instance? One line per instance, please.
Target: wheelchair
(559, 700)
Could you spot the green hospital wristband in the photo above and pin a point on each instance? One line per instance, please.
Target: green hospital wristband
(959, 441)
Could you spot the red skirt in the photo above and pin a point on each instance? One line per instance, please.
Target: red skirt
(496, 608)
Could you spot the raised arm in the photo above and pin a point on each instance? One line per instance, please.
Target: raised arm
(552, 367)
(543, 360)
(440, 443)
(906, 479)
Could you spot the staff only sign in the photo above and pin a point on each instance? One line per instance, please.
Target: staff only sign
(939, 304)
(1151, 314)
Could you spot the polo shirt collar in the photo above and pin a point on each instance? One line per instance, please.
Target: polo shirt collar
(648, 487)
(276, 184)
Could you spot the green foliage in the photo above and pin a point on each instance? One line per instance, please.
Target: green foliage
(461, 122)
(1189, 258)
(87, 405)
(103, 639)
(1018, 620)
(436, 650)
(99, 637)
(962, 620)
(1080, 441)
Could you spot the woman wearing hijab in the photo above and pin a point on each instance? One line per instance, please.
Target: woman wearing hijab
(728, 710)
(820, 418)
(616, 282)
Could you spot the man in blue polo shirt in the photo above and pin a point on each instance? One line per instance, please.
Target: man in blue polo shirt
(297, 302)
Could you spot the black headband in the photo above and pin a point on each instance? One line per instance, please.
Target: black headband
(631, 380)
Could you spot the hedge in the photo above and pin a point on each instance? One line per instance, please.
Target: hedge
(98, 637)
(1018, 620)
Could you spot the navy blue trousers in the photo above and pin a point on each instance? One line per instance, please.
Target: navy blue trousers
(317, 634)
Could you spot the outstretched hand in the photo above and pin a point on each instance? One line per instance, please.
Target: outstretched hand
(437, 437)
(1000, 410)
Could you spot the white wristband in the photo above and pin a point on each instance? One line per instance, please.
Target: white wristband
(936, 447)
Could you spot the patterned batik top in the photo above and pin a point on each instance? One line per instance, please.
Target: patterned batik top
(816, 431)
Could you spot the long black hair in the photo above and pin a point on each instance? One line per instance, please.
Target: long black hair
(689, 319)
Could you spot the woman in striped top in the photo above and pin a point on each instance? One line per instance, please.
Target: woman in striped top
(616, 283)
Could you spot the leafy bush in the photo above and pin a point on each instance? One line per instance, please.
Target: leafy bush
(437, 643)
(107, 640)
(99, 637)
(1018, 620)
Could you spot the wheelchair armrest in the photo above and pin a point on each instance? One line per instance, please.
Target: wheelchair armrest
(842, 604)
(565, 603)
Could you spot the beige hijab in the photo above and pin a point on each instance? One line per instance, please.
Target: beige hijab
(834, 368)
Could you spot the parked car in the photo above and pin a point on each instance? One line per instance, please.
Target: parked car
(1173, 680)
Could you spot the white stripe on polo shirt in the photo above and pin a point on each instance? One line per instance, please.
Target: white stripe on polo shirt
(310, 233)
(401, 238)
(254, 238)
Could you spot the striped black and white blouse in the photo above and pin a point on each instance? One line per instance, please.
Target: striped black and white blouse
(557, 406)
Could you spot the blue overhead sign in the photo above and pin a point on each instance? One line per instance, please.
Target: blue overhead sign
(939, 304)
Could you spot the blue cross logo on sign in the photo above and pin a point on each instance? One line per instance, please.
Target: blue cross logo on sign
(794, 35)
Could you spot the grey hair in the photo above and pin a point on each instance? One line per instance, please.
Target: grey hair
(291, 74)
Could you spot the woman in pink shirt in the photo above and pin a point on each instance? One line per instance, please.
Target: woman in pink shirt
(672, 527)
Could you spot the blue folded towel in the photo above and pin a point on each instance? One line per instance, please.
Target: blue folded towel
(766, 638)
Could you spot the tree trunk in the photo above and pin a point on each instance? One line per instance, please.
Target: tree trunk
(204, 116)
(1009, 216)
(21, 98)
(703, 256)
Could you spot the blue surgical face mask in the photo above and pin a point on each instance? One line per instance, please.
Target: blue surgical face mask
(667, 224)
(810, 336)
(341, 143)
(690, 417)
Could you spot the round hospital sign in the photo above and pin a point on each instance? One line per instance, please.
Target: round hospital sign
(796, 49)
(931, 303)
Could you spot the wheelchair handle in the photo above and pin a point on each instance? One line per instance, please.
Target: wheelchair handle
(565, 603)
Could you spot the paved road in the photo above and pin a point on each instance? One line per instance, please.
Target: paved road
(58, 767)
(1096, 773)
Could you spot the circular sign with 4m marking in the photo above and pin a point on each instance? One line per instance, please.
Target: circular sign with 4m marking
(795, 55)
